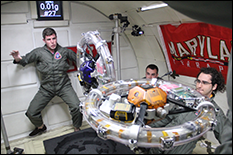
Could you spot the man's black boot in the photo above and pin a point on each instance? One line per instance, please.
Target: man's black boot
(38, 131)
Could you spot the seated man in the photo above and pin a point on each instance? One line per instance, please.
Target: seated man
(152, 71)
(208, 82)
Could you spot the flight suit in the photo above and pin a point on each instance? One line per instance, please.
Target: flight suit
(54, 82)
(226, 135)
(178, 119)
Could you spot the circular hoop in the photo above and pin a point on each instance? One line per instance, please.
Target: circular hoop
(105, 71)
(134, 135)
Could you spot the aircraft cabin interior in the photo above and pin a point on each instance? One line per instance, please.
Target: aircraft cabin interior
(114, 42)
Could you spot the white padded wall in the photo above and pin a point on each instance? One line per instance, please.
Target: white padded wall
(85, 14)
(15, 38)
(17, 125)
(57, 113)
(16, 99)
(15, 75)
(16, 7)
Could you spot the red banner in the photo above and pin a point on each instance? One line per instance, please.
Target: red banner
(73, 66)
(191, 46)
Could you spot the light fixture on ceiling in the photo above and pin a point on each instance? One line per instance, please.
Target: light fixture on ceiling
(154, 6)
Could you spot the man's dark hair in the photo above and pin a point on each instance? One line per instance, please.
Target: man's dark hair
(48, 32)
(216, 78)
(153, 66)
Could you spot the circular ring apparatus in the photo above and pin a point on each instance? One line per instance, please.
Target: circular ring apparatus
(108, 122)
(134, 135)
(105, 71)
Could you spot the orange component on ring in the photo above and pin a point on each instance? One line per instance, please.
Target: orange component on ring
(154, 97)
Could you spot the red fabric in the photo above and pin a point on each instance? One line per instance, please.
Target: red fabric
(74, 48)
(210, 46)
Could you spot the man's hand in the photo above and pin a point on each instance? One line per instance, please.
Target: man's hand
(16, 55)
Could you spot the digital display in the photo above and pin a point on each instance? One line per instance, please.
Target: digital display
(49, 10)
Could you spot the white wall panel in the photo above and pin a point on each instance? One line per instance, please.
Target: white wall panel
(141, 47)
(17, 124)
(66, 10)
(13, 19)
(57, 113)
(128, 59)
(124, 42)
(15, 38)
(155, 47)
(62, 37)
(16, 75)
(17, 99)
(84, 14)
(38, 38)
(15, 7)
(44, 24)
(83, 22)
(129, 73)
(33, 9)
(76, 33)
(5, 81)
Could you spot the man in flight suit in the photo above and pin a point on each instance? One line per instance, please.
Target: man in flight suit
(51, 61)
(208, 82)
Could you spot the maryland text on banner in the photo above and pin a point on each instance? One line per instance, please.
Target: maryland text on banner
(191, 46)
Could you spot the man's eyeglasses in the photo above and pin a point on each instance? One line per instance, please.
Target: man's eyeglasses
(202, 82)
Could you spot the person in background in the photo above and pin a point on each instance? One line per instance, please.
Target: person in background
(51, 61)
(152, 71)
(208, 82)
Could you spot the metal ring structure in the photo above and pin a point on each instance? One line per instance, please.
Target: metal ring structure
(134, 135)
(105, 71)
(131, 134)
